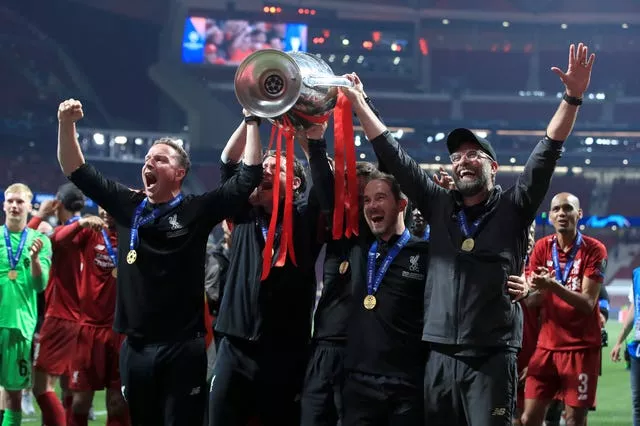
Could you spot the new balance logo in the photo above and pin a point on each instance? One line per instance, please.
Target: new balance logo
(499, 412)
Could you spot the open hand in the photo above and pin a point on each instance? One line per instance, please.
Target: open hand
(35, 248)
(578, 75)
(517, 287)
(444, 179)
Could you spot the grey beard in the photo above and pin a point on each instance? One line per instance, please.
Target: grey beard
(469, 189)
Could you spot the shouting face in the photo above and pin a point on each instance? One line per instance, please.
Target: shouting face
(161, 172)
(382, 209)
(473, 169)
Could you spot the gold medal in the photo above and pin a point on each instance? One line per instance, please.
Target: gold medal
(344, 267)
(370, 302)
(468, 244)
(131, 257)
(13, 274)
(114, 272)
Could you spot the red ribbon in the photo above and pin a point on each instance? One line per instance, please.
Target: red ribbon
(346, 199)
(286, 239)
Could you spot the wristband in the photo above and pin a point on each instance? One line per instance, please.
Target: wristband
(571, 100)
(251, 118)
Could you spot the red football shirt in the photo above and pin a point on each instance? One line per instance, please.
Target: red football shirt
(562, 326)
(98, 284)
(530, 330)
(62, 296)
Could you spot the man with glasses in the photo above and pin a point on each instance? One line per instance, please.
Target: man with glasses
(478, 240)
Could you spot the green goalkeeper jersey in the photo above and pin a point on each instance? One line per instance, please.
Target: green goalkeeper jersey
(18, 297)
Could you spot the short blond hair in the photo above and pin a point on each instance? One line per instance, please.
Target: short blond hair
(19, 187)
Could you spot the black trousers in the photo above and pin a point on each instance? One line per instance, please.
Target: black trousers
(321, 403)
(381, 401)
(256, 380)
(470, 391)
(164, 384)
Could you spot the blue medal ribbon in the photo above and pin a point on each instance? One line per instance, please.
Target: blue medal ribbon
(110, 250)
(13, 260)
(561, 275)
(469, 231)
(139, 220)
(374, 284)
(74, 219)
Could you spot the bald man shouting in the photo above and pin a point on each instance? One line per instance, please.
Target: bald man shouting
(567, 269)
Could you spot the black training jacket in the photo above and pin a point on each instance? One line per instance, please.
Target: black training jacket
(466, 301)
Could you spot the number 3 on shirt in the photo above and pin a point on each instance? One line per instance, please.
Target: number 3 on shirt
(583, 387)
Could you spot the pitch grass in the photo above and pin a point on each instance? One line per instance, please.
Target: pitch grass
(613, 400)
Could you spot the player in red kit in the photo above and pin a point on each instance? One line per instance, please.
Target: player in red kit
(567, 269)
(530, 328)
(95, 364)
(59, 331)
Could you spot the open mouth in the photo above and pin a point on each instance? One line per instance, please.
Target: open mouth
(563, 222)
(466, 174)
(376, 219)
(150, 180)
(266, 185)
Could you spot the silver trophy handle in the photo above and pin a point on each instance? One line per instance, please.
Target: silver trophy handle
(326, 81)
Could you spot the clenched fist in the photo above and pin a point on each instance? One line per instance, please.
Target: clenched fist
(70, 111)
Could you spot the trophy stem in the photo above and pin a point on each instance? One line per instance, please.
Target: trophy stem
(329, 80)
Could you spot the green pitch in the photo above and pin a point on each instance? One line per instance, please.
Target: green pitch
(613, 400)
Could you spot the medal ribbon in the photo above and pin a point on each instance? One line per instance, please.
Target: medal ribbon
(110, 250)
(74, 219)
(13, 260)
(561, 275)
(139, 220)
(469, 231)
(373, 284)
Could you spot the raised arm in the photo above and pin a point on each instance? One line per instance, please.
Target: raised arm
(233, 150)
(69, 152)
(234, 192)
(115, 198)
(321, 175)
(576, 81)
(414, 181)
(47, 208)
(533, 183)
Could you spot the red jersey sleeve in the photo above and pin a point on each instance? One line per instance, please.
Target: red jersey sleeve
(72, 234)
(538, 256)
(34, 222)
(596, 262)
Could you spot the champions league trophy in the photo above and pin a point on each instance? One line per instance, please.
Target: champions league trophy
(272, 84)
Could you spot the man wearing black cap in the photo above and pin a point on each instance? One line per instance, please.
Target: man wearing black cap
(478, 239)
